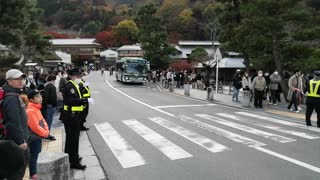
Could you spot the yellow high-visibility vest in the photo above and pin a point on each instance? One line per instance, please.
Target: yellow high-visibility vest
(74, 108)
(314, 87)
(88, 94)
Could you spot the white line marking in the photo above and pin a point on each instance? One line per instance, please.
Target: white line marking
(178, 106)
(286, 158)
(122, 150)
(164, 112)
(171, 150)
(190, 135)
(247, 129)
(272, 127)
(222, 132)
(274, 120)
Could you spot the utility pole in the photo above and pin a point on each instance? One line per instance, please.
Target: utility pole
(214, 27)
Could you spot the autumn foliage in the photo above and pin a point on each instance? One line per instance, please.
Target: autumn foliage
(181, 66)
(105, 38)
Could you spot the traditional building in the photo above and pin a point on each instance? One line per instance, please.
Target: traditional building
(185, 48)
(130, 51)
(81, 47)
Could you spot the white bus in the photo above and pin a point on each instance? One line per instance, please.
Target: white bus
(132, 69)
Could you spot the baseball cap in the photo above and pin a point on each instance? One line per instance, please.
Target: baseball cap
(14, 74)
(75, 71)
(32, 94)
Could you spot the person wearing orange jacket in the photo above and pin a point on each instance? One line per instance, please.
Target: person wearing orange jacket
(38, 129)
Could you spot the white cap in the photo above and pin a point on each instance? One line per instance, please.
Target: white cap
(14, 74)
(238, 70)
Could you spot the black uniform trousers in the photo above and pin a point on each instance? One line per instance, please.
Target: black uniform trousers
(71, 122)
(312, 103)
(84, 114)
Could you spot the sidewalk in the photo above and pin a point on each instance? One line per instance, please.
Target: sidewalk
(93, 171)
(226, 99)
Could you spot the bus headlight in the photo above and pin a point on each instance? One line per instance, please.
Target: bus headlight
(127, 78)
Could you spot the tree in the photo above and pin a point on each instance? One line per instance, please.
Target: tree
(56, 35)
(21, 31)
(153, 36)
(267, 32)
(106, 39)
(200, 55)
(126, 32)
(181, 66)
(92, 27)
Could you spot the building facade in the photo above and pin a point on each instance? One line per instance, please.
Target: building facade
(130, 51)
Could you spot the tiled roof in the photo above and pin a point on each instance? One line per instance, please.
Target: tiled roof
(74, 41)
(134, 47)
(198, 43)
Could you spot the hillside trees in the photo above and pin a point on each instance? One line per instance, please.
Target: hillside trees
(153, 36)
(126, 32)
(106, 39)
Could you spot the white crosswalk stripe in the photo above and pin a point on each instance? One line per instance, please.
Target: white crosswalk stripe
(232, 136)
(269, 126)
(279, 121)
(247, 129)
(168, 148)
(122, 150)
(190, 135)
(128, 157)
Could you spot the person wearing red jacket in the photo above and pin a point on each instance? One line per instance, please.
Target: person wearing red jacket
(38, 129)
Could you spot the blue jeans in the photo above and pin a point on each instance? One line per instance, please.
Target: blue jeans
(49, 116)
(235, 93)
(35, 149)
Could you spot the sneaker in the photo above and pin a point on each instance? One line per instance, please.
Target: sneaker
(299, 108)
(34, 177)
(297, 111)
(270, 102)
(291, 109)
(275, 104)
(51, 138)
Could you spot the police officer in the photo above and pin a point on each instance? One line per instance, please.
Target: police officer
(85, 92)
(313, 98)
(71, 116)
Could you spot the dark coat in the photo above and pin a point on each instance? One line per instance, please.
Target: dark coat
(50, 94)
(15, 117)
(71, 98)
(237, 81)
(12, 158)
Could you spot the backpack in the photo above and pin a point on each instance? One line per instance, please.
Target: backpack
(2, 96)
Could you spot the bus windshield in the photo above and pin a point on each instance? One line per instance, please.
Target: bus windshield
(136, 68)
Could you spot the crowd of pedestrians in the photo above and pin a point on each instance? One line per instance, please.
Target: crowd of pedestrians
(179, 78)
(28, 103)
(263, 86)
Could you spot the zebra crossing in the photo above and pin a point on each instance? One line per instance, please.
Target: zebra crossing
(246, 122)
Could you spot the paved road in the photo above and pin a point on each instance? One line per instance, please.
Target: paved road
(141, 133)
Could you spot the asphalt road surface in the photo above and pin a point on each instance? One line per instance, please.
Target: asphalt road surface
(142, 133)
